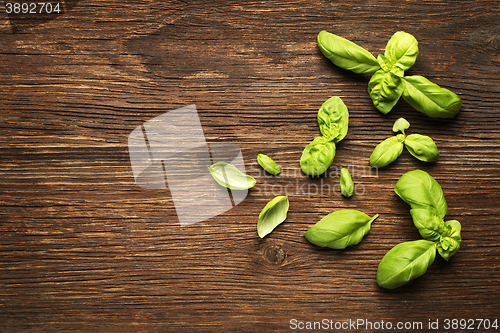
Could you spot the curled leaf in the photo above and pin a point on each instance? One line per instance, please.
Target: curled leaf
(227, 175)
(387, 151)
(418, 189)
(405, 262)
(450, 241)
(346, 183)
(429, 98)
(340, 229)
(346, 54)
(273, 214)
(385, 89)
(333, 119)
(428, 223)
(268, 164)
(317, 156)
(422, 147)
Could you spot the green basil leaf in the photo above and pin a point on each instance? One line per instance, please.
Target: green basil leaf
(418, 189)
(402, 50)
(422, 147)
(268, 164)
(346, 183)
(273, 214)
(385, 89)
(428, 223)
(387, 151)
(340, 229)
(333, 119)
(317, 156)
(449, 244)
(405, 262)
(346, 54)
(229, 176)
(429, 98)
(400, 125)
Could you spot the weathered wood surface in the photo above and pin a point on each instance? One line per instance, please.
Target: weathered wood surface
(83, 248)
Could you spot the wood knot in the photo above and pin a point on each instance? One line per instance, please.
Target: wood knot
(275, 254)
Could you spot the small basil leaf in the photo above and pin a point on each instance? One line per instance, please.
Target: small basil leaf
(400, 125)
(268, 164)
(273, 214)
(385, 63)
(402, 50)
(405, 262)
(346, 183)
(418, 189)
(422, 147)
(429, 98)
(346, 54)
(385, 89)
(317, 156)
(229, 176)
(387, 151)
(340, 229)
(333, 119)
(428, 223)
(449, 244)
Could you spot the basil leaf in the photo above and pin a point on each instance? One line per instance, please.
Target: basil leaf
(346, 183)
(340, 229)
(429, 98)
(400, 125)
(333, 119)
(229, 176)
(402, 50)
(268, 164)
(385, 89)
(346, 54)
(387, 151)
(422, 147)
(273, 214)
(449, 244)
(428, 223)
(405, 262)
(317, 156)
(418, 189)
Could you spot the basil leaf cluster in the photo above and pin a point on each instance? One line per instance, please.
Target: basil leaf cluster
(333, 119)
(409, 260)
(421, 147)
(340, 229)
(388, 82)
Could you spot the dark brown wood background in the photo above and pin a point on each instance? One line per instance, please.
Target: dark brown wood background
(83, 248)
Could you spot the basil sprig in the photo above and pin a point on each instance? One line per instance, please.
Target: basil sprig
(421, 147)
(340, 229)
(333, 119)
(273, 214)
(388, 83)
(409, 260)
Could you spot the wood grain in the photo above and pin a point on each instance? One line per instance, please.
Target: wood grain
(83, 248)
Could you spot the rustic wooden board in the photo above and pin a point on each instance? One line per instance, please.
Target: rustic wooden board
(83, 248)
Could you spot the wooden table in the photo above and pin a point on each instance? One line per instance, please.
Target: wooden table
(84, 248)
